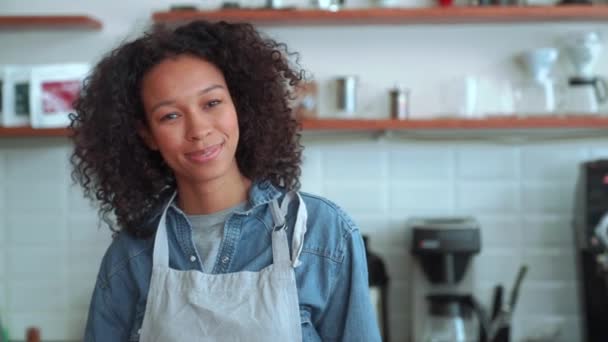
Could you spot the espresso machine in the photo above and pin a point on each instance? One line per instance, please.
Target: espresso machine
(443, 308)
(591, 232)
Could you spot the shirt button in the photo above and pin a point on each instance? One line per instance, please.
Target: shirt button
(192, 258)
(225, 259)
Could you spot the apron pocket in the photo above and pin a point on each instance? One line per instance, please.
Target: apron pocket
(309, 333)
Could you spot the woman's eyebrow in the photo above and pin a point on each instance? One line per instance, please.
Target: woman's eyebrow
(170, 102)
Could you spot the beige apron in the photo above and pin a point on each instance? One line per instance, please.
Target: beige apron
(241, 306)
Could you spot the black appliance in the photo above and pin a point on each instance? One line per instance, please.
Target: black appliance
(591, 230)
(378, 287)
(444, 247)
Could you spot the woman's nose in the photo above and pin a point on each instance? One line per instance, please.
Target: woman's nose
(198, 126)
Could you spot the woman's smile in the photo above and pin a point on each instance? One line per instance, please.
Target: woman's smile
(205, 155)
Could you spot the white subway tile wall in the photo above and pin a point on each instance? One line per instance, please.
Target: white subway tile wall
(418, 162)
(51, 241)
(498, 164)
(2, 187)
(547, 231)
(3, 244)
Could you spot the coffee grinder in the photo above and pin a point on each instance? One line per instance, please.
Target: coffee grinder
(443, 308)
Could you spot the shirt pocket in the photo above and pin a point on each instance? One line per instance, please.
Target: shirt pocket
(137, 323)
(309, 333)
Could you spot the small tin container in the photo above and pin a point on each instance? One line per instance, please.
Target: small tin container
(347, 94)
(400, 103)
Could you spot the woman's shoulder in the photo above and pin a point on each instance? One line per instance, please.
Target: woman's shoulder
(122, 252)
(329, 228)
(325, 209)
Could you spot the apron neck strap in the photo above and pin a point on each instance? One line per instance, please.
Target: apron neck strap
(161, 243)
(279, 212)
(278, 215)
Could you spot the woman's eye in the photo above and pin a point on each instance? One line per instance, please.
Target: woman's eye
(169, 116)
(212, 103)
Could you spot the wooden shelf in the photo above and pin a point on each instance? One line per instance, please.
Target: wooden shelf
(539, 123)
(430, 15)
(497, 123)
(61, 22)
(28, 132)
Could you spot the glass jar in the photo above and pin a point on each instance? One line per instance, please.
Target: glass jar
(451, 319)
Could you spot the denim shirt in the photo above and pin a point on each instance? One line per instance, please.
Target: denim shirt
(332, 279)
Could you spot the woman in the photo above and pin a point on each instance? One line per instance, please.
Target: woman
(186, 139)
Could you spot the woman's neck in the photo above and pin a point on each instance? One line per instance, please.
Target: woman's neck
(213, 196)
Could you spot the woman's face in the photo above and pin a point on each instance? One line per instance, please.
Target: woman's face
(191, 119)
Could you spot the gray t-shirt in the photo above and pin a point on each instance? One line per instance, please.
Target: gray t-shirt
(207, 233)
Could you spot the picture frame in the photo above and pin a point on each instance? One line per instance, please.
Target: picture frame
(53, 89)
(15, 96)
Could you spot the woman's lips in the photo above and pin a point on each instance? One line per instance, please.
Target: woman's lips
(205, 155)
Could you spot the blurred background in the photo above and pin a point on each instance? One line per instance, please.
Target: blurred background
(450, 212)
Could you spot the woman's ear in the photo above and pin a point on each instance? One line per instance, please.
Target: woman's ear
(144, 133)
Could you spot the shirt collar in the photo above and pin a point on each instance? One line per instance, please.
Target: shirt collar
(260, 193)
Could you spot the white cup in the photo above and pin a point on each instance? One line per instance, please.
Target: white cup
(459, 97)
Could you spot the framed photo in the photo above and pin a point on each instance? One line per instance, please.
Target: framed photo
(15, 98)
(53, 90)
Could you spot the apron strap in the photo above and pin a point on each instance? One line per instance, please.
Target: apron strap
(280, 248)
(278, 215)
(160, 256)
(298, 232)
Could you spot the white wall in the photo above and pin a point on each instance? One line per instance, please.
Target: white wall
(521, 192)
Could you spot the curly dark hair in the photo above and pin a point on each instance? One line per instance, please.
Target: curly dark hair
(130, 181)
